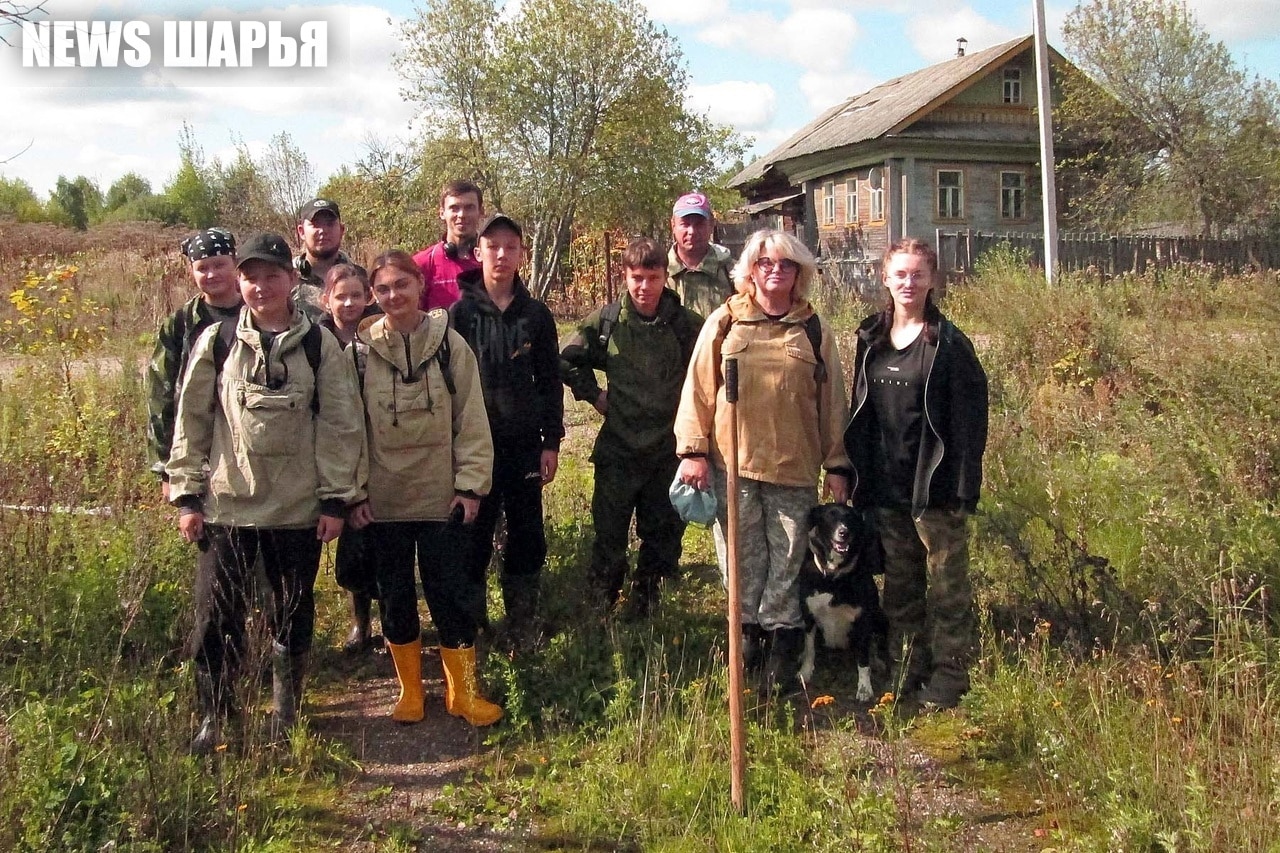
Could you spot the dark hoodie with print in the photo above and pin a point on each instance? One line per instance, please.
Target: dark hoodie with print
(519, 360)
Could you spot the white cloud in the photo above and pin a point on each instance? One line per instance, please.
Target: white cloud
(746, 106)
(742, 31)
(142, 115)
(767, 140)
(934, 35)
(815, 39)
(686, 11)
(819, 39)
(1237, 20)
(827, 90)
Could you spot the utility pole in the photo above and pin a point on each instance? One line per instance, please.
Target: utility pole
(1048, 185)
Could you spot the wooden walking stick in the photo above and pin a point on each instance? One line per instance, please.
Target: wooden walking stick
(737, 759)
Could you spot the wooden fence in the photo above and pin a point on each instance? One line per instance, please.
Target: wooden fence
(1108, 255)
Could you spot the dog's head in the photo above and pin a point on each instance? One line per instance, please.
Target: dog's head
(838, 537)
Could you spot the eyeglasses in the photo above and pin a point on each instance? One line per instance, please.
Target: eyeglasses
(903, 275)
(766, 265)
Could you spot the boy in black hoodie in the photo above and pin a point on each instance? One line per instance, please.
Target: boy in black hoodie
(514, 339)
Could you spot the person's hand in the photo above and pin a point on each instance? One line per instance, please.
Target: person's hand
(602, 402)
(550, 463)
(696, 471)
(191, 526)
(164, 490)
(328, 528)
(360, 516)
(470, 508)
(836, 488)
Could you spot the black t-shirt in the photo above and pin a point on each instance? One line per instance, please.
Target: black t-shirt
(895, 384)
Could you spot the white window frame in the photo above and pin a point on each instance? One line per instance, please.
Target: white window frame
(851, 201)
(1007, 194)
(829, 203)
(1012, 89)
(877, 204)
(950, 198)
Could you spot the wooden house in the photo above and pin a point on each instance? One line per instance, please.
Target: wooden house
(953, 146)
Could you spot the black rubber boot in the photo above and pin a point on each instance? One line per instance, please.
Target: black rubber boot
(361, 624)
(755, 647)
(520, 596)
(642, 600)
(605, 585)
(784, 662)
(211, 711)
(287, 674)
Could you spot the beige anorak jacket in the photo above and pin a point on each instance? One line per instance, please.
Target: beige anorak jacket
(248, 449)
(425, 445)
(789, 424)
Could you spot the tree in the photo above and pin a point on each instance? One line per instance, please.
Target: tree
(243, 197)
(1165, 139)
(18, 201)
(390, 197)
(76, 202)
(571, 107)
(289, 178)
(128, 188)
(190, 195)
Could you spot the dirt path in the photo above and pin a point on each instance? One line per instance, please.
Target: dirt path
(404, 768)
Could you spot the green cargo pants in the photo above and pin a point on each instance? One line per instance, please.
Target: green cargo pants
(928, 597)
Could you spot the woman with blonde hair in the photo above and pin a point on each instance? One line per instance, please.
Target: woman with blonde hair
(792, 409)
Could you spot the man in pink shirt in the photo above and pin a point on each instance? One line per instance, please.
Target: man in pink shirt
(461, 208)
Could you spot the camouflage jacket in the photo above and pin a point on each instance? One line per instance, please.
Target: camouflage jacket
(310, 287)
(703, 288)
(164, 375)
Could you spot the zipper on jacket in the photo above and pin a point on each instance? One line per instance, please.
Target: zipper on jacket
(929, 421)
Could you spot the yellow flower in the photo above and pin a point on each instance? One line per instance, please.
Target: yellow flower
(822, 700)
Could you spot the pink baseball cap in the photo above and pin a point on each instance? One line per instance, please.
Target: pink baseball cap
(692, 203)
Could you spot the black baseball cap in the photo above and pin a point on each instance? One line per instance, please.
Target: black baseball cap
(318, 205)
(262, 246)
(500, 219)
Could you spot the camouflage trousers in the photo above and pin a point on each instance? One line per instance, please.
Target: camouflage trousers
(927, 594)
(772, 545)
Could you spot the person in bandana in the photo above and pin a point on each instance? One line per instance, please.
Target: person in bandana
(212, 256)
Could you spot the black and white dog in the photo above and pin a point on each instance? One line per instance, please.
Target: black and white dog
(838, 594)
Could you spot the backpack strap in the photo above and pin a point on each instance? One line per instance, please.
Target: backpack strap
(443, 353)
(312, 343)
(222, 343)
(442, 358)
(609, 315)
(813, 329)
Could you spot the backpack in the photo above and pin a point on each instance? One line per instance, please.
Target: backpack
(311, 344)
(813, 331)
(609, 315)
(360, 352)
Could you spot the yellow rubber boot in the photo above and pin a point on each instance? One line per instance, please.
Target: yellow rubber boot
(462, 692)
(408, 661)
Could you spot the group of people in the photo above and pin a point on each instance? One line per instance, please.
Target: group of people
(403, 410)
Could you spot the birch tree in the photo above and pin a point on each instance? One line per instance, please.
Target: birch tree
(569, 108)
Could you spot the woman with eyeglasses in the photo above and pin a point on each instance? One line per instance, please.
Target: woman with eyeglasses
(791, 416)
(916, 439)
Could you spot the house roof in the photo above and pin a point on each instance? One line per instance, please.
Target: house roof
(888, 108)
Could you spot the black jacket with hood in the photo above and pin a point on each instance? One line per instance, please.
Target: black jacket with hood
(519, 358)
(954, 435)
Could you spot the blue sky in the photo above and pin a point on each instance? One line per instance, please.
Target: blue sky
(765, 67)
